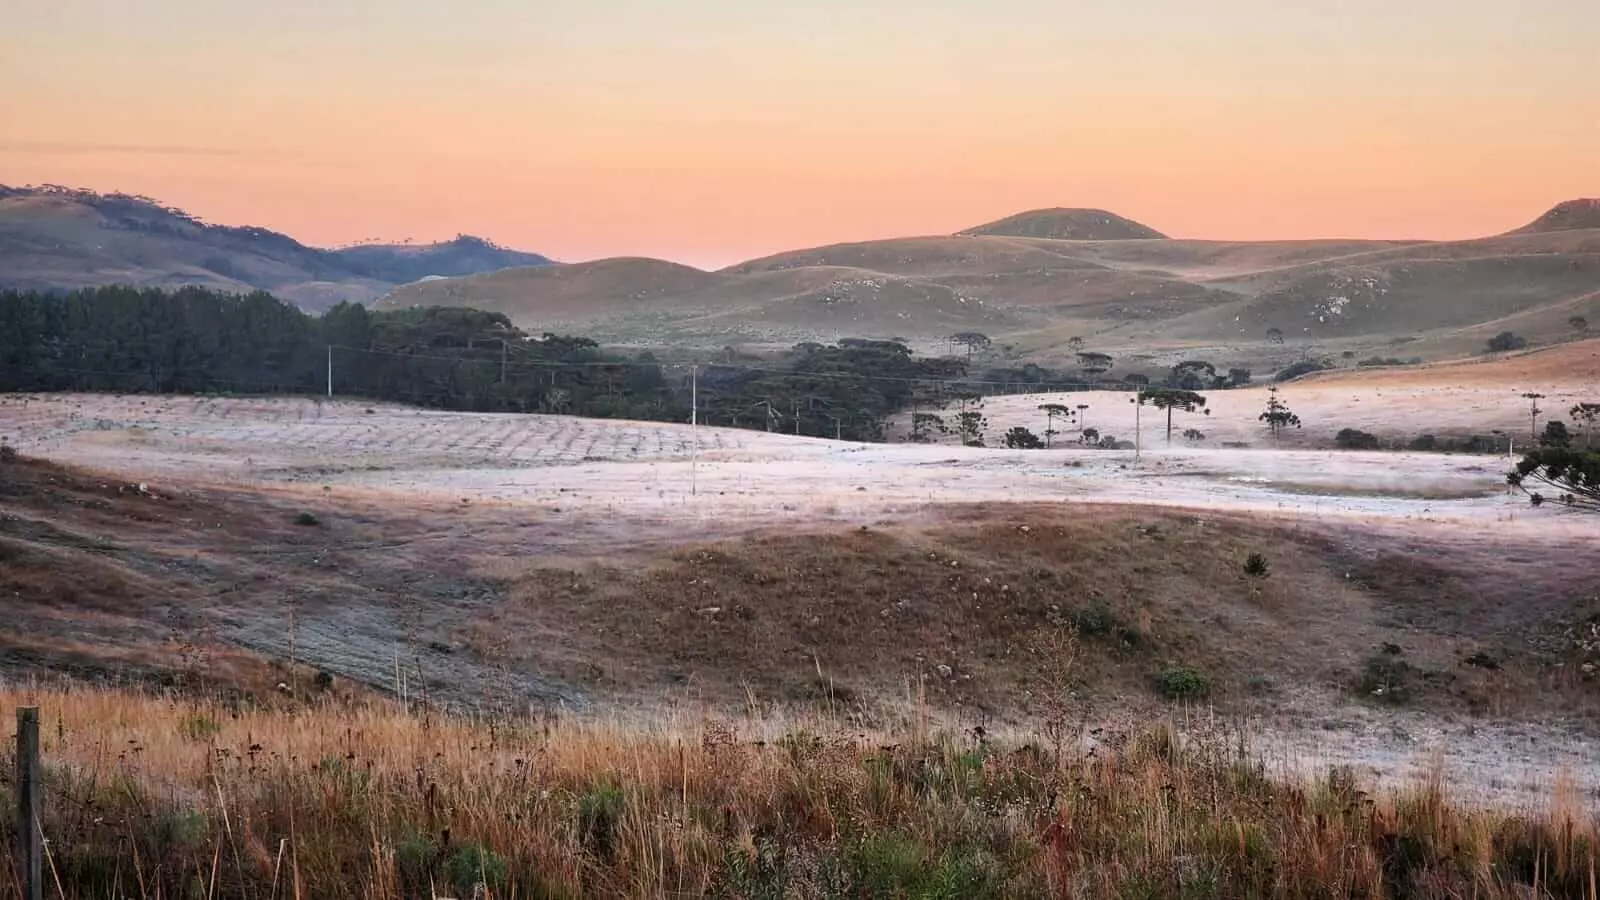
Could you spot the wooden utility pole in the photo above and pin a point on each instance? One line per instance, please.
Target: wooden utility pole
(694, 429)
(30, 843)
(1533, 414)
(1138, 405)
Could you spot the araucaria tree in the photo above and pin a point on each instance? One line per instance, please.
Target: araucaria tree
(1093, 363)
(1573, 474)
(1586, 413)
(971, 340)
(1278, 416)
(1170, 399)
(969, 425)
(1053, 411)
(1533, 413)
(923, 426)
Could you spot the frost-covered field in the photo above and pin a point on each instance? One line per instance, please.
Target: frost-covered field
(709, 473)
(716, 475)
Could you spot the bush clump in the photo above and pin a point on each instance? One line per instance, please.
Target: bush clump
(1506, 341)
(1020, 438)
(1303, 367)
(1183, 683)
(1354, 439)
(8, 453)
(1386, 678)
(1255, 565)
(307, 520)
(473, 866)
(599, 820)
(1555, 434)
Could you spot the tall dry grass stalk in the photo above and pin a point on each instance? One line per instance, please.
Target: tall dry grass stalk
(155, 797)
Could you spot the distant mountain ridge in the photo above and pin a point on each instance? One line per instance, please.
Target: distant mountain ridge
(57, 237)
(464, 255)
(1044, 281)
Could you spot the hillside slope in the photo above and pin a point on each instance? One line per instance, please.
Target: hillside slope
(1577, 362)
(55, 238)
(1124, 290)
(1583, 213)
(754, 612)
(914, 288)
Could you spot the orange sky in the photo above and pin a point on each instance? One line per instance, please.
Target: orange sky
(710, 131)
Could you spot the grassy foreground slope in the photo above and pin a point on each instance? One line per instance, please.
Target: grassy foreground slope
(106, 581)
(146, 797)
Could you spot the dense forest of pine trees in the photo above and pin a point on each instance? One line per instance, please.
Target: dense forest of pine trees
(195, 340)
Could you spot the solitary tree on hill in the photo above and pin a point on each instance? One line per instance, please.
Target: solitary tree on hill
(1278, 416)
(972, 340)
(1170, 399)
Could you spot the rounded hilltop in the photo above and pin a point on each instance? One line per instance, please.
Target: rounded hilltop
(1067, 225)
(1571, 215)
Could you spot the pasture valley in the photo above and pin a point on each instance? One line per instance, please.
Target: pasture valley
(869, 570)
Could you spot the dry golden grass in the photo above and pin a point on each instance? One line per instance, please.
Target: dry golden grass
(1577, 362)
(151, 797)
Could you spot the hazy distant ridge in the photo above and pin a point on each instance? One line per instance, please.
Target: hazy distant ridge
(56, 237)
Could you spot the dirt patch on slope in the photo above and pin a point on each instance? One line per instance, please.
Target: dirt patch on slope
(971, 611)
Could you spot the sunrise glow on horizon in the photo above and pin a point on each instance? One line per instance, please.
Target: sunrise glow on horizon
(710, 131)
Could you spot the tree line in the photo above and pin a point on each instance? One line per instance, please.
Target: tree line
(200, 341)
